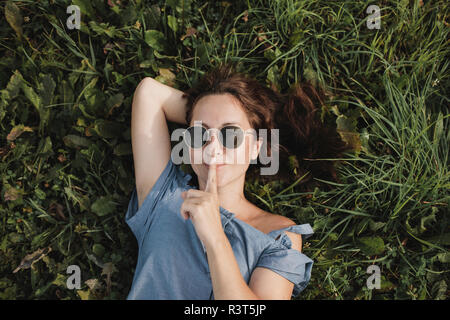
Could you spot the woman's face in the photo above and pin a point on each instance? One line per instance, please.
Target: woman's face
(217, 111)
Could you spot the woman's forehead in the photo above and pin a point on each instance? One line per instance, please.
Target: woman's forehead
(216, 110)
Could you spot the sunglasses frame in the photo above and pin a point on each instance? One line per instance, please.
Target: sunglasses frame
(208, 138)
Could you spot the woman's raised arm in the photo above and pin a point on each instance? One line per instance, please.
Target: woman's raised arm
(153, 104)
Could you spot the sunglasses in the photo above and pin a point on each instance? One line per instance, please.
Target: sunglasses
(230, 136)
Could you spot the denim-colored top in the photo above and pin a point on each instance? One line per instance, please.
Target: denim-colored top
(172, 263)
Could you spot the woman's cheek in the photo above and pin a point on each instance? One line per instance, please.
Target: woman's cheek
(238, 162)
(239, 156)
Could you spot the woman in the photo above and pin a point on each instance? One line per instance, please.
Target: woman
(198, 236)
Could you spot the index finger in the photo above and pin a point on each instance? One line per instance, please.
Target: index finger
(211, 182)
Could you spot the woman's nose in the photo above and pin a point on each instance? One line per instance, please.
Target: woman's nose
(213, 149)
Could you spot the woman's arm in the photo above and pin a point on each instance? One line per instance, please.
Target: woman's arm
(226, 278)
(228, 283)
(174, 106)
(153, 104)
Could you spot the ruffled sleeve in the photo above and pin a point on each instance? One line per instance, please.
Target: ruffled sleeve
(287, 262)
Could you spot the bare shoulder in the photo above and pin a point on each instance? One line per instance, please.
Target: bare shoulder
(273, 221)
(276, 222)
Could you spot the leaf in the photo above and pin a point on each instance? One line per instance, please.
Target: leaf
(293, 164)
(444, 257)
(269, 54)
(162, 56)
(346, 124)
(15, 237)
(441, 239)
(98, 250)
(123, 149)
(425, 221)
(371, 245)
(154, 16)
(83, 110)
(66, 92)
(438, 128)
(273, 75)
(386, 285)
(45, 146)
(74, 141)
(364, 137)
(4, 244)
(60, 280)
(173, 4)
(13, 87)
(81, 200)
(146, 64)
(46, 89)
(93, 284)
(296, 37)
(172, 22)
(40, 291)
(105, 28)
(85, 7)
(374, 226)
(310, 75)
(155, 39)
(346, 127)
(439, 290)
(114, 101)
(166, 77)
(14, 17)
(17, 131)
(11, 193)
(31, 258)
(95, 102)
(39, 193)
(95, 260)
(103, 206)
(108, 129)
(84, 294)
(32, 96)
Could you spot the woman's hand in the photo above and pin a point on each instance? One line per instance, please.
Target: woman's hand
(202, 207)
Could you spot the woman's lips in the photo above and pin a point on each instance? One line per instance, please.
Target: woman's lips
(217, 165)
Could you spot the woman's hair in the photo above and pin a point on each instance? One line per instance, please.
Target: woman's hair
(302, 136)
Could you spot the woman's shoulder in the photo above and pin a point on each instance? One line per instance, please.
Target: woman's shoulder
(270, 222)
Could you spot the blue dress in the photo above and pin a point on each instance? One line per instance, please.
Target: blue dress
(171, 262)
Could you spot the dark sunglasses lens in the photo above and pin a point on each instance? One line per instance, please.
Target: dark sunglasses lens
(195, 136)
(231, 136)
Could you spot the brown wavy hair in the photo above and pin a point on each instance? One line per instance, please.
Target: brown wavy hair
(302, 135)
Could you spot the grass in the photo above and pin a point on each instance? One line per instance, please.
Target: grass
(67, 169)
